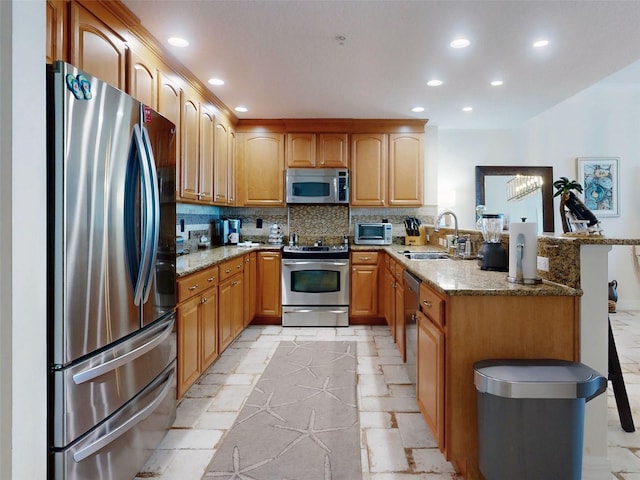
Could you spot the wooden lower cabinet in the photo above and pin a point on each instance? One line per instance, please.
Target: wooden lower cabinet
(250, 283)
(363, 291)
(389, 295)
(197, 326)
(430, 376)
(455, 331)
(400, 324)
(230, 313)
(268, 285)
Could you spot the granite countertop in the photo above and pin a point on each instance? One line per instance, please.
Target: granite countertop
(450, 277)
(192, 262)
(464, 277)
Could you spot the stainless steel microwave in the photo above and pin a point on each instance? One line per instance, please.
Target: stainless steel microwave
(372, 234)
(317, 185)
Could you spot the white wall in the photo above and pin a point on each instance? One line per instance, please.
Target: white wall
(603, 120)
(460, 152)
(23, 366)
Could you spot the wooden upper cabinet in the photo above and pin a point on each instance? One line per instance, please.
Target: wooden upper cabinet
(96, 48)
(206, 153)
(55, 30)
(189, 185)
(221, 163)
(368, 169)
(332, 150)
(323, 150)
(143, 79)
(232, 171)
(169, 99)
(301, 150)
(406, 159)
(261, 157)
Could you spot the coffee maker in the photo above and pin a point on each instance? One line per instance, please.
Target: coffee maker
(227, 231)
(492, 256)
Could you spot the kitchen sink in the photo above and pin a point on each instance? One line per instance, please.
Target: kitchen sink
(426, 255)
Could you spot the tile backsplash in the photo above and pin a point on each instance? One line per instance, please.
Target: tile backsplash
(328, 223)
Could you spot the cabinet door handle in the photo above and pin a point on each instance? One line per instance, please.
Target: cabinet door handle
(234, 283)
(211, 279)
(193, 287)
(428, 305)
(364, 259)
(227, 270)
(204, 300)
(239, 266)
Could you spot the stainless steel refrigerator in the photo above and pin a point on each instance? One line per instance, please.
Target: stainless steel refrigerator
(111, 278)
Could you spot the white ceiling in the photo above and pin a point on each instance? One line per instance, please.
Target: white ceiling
(281, 58)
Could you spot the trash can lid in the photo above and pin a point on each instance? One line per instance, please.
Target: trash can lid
(537, 378)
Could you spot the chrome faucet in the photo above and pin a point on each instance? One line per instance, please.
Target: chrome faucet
(455, 223)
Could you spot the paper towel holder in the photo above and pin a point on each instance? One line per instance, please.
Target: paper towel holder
(519, 278)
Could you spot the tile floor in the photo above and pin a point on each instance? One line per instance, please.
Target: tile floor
(395, 442)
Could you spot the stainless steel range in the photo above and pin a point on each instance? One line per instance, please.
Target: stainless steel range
(315, 286)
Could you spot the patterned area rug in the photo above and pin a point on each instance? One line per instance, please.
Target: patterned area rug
(300, 421)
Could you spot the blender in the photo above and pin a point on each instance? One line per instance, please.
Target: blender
(491, 255)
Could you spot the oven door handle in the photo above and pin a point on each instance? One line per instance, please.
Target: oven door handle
(306, 262)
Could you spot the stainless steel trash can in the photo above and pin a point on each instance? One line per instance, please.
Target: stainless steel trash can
(531, 417)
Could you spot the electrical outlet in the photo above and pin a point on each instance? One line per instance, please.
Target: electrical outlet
(543, 264)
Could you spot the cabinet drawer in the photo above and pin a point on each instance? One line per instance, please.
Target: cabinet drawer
(432, 304)
(364, 258)
(196, 283)
(231, 267)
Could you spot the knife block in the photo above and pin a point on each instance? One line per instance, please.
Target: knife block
(417, 239)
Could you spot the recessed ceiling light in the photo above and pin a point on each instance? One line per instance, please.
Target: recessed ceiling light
(497, 83)
(178, 42)
(216, 81)
(434, 83)
(241, 109)
(417, 109)
(540, 43)
(467, 109)
(460, 43)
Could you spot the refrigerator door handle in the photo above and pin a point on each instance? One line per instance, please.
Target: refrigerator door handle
(153, 220)
(126, 426)
(137, 174)
(94, 372)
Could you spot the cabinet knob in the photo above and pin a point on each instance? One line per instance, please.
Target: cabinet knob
(211, 279)
(228, 270)
(205, 300)
(193, 287)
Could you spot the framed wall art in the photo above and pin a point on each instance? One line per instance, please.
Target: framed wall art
(599, 179)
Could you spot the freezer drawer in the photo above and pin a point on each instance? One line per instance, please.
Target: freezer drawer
(117, 448)
(87, 393)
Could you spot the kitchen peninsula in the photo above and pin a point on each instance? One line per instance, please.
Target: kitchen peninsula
(479, 315)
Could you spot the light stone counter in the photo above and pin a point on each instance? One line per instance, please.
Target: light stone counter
(192, 262)
(464, 277)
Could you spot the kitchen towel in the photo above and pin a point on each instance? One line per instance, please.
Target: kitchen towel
(525, 233)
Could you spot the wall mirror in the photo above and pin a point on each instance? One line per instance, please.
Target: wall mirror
(491, 190)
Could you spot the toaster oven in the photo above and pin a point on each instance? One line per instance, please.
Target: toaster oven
(372, 234)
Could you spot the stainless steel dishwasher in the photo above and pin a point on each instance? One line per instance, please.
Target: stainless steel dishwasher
(411, 306)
